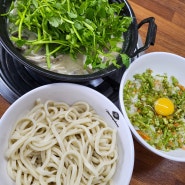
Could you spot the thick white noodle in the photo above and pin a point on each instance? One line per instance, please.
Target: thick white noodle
(59, 144)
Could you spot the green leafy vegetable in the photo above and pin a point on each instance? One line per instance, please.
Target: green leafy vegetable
(91, 27)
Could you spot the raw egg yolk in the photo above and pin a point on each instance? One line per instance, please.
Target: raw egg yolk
(164, 106)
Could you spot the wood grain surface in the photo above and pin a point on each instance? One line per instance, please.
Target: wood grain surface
(169, 16)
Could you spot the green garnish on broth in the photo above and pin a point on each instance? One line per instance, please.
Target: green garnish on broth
(91, 27)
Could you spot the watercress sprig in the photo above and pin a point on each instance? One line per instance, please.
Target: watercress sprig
(91, 27)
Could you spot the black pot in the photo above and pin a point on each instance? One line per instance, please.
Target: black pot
(129, 47)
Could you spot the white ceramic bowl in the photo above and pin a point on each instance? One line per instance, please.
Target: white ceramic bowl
(71, 93)
(160, 63)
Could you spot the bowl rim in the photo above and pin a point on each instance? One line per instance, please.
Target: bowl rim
(123, 110)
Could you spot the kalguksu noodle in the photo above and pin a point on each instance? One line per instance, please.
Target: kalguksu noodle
(60, 144)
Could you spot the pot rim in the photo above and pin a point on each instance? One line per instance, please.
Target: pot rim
(129, 45)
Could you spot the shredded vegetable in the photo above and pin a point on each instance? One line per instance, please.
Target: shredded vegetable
(140, 94)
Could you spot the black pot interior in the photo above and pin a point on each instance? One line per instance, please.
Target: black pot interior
(131, 38)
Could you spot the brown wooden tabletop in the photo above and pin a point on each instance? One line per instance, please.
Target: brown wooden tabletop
(169, 17)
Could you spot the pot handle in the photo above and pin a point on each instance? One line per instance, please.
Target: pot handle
(150, 37)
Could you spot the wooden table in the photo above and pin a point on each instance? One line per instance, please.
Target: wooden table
(169, 15)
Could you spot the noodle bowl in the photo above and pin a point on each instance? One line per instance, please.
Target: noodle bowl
(69, 136)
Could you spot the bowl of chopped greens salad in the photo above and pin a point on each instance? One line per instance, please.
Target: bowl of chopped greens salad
(152, 100)
(70, 41)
